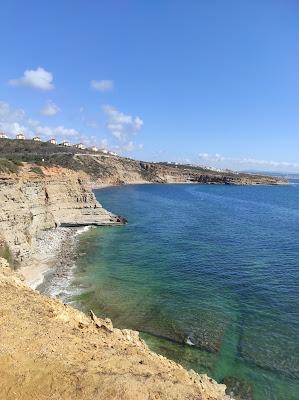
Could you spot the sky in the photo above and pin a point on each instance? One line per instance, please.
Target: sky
(204, 82)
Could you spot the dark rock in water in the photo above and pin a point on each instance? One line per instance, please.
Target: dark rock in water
(121, 219)
(237, 388)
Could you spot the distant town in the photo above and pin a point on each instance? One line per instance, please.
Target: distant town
(66, 143)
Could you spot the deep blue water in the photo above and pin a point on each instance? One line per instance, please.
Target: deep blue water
(208, 273)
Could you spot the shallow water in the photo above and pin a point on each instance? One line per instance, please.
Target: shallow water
(209, 274)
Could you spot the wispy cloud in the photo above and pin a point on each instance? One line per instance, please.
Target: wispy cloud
(246, 162)
(102, 86)
(122, 127)
(14, 120)
(36, 79)
(50, 109)
(57, 131)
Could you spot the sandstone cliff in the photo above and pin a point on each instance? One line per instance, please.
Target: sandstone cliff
(35, 199)
(109, 169)
(50, 351)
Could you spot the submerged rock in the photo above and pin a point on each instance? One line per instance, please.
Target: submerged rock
(239, 389)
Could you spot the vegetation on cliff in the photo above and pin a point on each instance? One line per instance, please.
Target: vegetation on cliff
(110, 169)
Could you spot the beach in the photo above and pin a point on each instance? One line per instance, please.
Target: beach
(53, 260)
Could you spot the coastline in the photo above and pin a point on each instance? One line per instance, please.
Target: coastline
(53, 261)
(55, 250)
(109, 185)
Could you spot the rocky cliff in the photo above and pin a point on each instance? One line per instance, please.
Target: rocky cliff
(51, 351)
(109, 169)
(36, 198)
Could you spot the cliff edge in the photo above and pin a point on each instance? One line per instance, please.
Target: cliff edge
(49, 350)
(35, 198)
(108, 169)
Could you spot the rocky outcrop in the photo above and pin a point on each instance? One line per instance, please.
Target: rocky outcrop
(37, 199)
(51, 351)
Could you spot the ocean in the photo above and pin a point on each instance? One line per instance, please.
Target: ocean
(209, 275)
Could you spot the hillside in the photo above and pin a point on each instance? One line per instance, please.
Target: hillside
(108, 169)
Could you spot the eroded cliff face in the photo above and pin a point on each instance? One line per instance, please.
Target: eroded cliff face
(51, 351)
(36, 199)
(106, 169)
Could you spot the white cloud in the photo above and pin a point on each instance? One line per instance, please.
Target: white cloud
(14, 120)
(247, 162)
(50, 109)
(121, 125)
(102, 86)
(58, 130)
(91, 124)
(37, 79)
(104, 143)
(131, 146)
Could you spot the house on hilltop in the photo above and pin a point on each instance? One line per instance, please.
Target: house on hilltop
(94, 148)
(52, 141)
(3, 135)
(36, 139)
(80, 146)
(20, 136)
(65, 143)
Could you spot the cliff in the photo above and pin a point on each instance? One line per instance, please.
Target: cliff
(34, 199)
(109, 169)
(51, 351)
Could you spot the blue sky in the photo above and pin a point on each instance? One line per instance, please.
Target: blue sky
(208, 82)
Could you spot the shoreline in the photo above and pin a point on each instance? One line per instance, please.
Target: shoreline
(54, 250)
(109, 185)
(50, 269)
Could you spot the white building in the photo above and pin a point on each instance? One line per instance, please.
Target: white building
(80, 146)
(20, 136)
(104, 151)
(112, 153)
(65, 143)
(52, 141)
(36, 139)
(94, 148)
(3, 136)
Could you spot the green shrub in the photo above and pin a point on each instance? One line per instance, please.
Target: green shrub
(37, 170)
(5, 252)
(8, 166)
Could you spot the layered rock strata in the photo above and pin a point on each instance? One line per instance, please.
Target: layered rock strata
(34, 200)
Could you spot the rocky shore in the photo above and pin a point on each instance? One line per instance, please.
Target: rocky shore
(53, 260)
(35, 200)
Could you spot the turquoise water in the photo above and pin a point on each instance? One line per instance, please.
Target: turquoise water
(208, 274)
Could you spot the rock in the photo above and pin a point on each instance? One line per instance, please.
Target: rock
(3, 263)
(238, 388)
(32, 203)
(102, 323)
